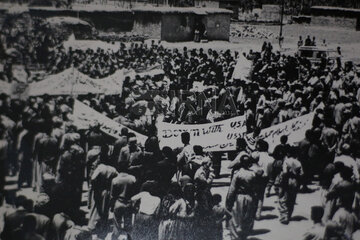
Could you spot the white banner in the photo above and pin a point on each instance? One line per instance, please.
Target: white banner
(84, 115)
(295, 130)
(221, 136)
(218, 136)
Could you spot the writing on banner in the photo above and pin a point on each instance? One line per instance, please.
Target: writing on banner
(84, 115)
(221, 136)
(295, 130)
(218, 136)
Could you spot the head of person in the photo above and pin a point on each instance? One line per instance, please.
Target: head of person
(283, 139)
(185, 138)
(198, 150)
(124, 132)
(317, 213)
(346, 173)
(152, 145)
(29, 223)
(255, 157)
(132, 140)
(262, 145)
(240, 144)
(150, 187)
(42, 204)
(20, 201)
(23, 202)
(70, 139)
(206, 163)
(291, 152)
(168, 153)
(245, 161)
(346, 149)
(175, 190)
(216, 198)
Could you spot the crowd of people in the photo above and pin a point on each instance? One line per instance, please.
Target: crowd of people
(122, 178)
(28, 41)
(165, 193)
(168, 190)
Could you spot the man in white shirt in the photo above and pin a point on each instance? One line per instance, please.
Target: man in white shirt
(263, 161)
(184, 157)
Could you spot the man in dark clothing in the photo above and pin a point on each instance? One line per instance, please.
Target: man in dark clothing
(46, 151)
(129, 154)
(303, 157)
(308, 41)
(27, 230)
(42, 224)
(3, 157)
(119, 144)
(123, 187)
(14, 220)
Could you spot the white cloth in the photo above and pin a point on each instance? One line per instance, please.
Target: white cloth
(148, 203)
(265, 161)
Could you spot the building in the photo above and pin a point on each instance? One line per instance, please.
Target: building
(334, 16)
(172, 24)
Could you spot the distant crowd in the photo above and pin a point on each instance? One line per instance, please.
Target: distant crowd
(168, 191)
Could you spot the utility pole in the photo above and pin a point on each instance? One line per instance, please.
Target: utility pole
(281, 22)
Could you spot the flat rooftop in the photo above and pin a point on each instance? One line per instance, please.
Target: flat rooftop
(109, 8)
(326, 8)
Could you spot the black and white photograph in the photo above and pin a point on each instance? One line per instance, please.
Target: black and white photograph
(180, 120)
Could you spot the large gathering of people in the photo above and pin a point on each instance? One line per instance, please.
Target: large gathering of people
(145, 192)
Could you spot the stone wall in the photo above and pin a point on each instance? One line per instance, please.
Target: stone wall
(343, 22)
(176, 24)
(270, 13)
(177, 27)
(102, 20)
(217, 26)
(267, 14)
(206, 3)
(147, 24)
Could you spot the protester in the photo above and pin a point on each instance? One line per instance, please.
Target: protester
(145, 223)
(317, 231)
(100, 185)
(289, 184)
(40, 133)
(123, 187)
(241, 201)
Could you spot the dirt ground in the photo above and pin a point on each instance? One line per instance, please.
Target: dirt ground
(347, 39)
(268, 228)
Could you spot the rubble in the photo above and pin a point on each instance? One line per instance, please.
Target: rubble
(245, 31)
(122, 37)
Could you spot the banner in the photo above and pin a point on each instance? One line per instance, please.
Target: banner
(218, 136)
(242, 68)
(221, 136)
(295, 130)
(84, 115)
(112, 84)
(67, 82)
(72, 82)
